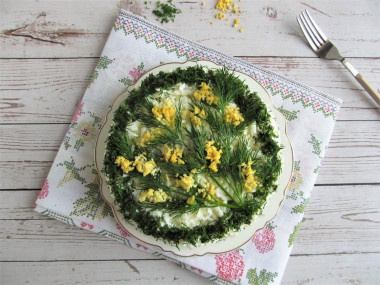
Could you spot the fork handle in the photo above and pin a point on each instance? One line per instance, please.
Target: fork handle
(371, 91)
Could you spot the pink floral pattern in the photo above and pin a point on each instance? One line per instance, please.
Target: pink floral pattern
(140, 245)
(264, 240)
(44, 191)
(123, 232)
(196, 269)
(230, 265)
(84, 224)
(78, 112)
(135, 73)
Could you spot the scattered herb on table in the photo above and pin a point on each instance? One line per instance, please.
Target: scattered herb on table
(166, 12)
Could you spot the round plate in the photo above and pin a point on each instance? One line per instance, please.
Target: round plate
(231, 242)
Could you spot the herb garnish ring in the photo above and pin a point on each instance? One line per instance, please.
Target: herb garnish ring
(270, 208)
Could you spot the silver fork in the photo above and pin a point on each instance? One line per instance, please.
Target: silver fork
(324, 48)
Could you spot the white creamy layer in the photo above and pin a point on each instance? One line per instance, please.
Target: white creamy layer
(180, 94)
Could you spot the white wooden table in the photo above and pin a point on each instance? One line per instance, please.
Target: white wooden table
(48, 52)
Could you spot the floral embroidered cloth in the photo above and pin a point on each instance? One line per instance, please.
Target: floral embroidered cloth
(71, 190)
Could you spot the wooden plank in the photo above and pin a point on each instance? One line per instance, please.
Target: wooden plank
(30, 240)
(353, 155)
(139, 272)
(335, 222)
(28, 151)
(69, 28)
(19, 205)
(47, 90)
(340, 218)
(42, 91)
(333, 269)
(314, 269)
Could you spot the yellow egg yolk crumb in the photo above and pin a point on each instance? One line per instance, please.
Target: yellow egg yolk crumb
(144, 166)
(174, 155)
(205, 93)
(196, 116)
(125, 164)
(220, 16)
(232, 115)
(190, 200)
(166, 111)
(236, 23)
(211, 188)
(186, 182)
(207, 191)
(154, 196)
(147, 136)
(213, 154)
(224, 5)
(227, 6)
(250, 181)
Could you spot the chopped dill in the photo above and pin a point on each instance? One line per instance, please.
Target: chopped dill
(166, 12)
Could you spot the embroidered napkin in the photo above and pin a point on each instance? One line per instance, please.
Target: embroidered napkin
(71, 190)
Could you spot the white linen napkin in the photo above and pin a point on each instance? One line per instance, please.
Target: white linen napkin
(71, 190)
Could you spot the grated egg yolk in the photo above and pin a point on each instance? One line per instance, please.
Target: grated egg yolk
(174, 155)
(186, 182)
(144, 166)
(236, 23)
(224, 5)
(190, 200)
(205, 93)
(233, 117)
(211, 188)
(154, 196)
(147, 136)
(220, 16)
(125, 164)
(250, 181)
(213, 154)
(196, 116)
(166, 111)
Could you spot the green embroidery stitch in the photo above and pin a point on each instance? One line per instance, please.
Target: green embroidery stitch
(135, 74)
(81, 132)
(219, 280)
(297, 178)
(316, 145)
(293, 235)
(92, 206)
(126, 81)
(115, 237)
(263, 278)
(103, 63)
(72, 172)
(305, 103)
(316, 150)
(301, 207)
(58, 217)
(289, 115)
(159, 43)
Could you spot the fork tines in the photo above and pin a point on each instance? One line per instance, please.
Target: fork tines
(311, 30)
